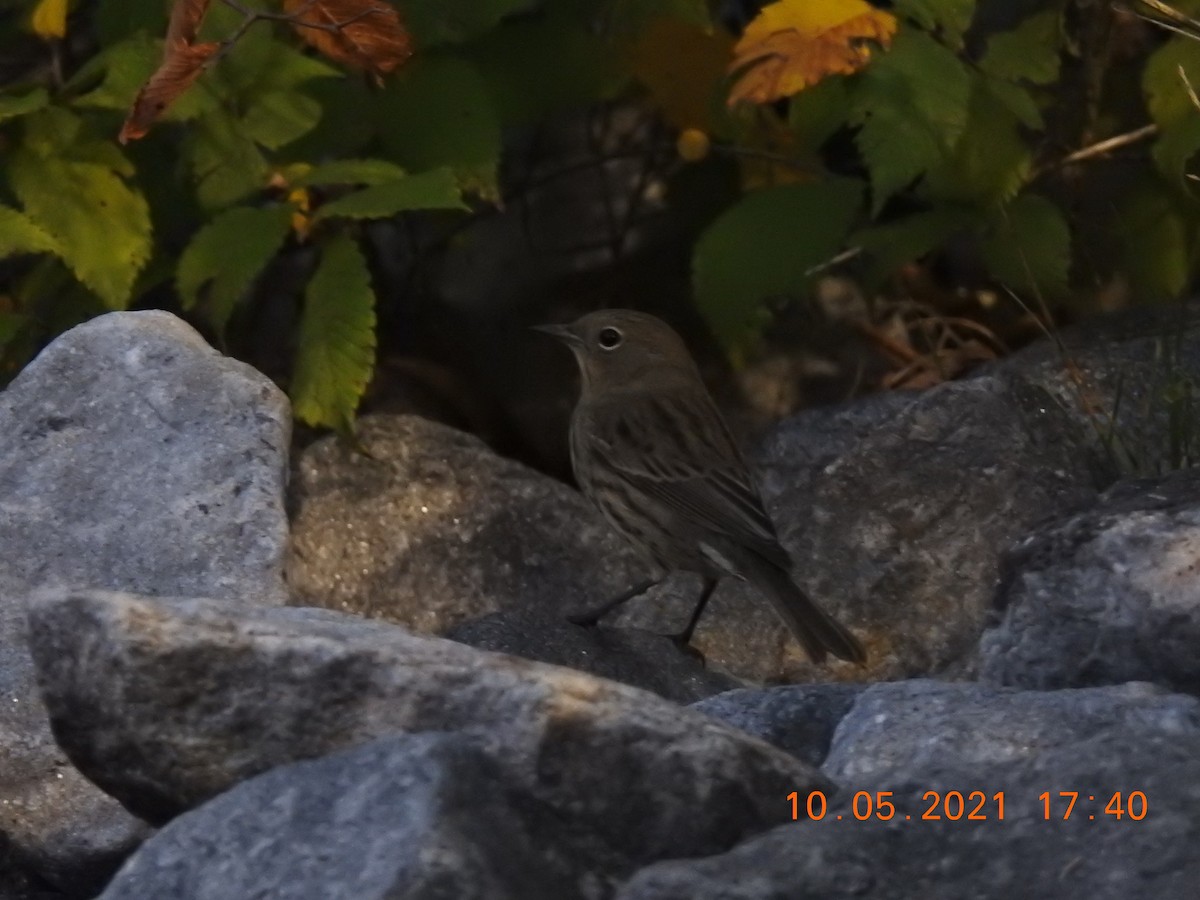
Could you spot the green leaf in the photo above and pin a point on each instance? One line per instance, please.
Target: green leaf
(817, 112)
(10, 326)
(1018, 101)
(912, 104)
(100, 223)
(122, 69)
(226, 163)
(435, 22)
(1155, 230)
(11, 107)
(1029, 247)
(439, 112)
(1166, 92)
(227, 255)
(435, 189)
(951, 17)
(1030, 52)
(353, 171)
(279, 117)
(1178, 143)
(893, 244)
(515, 61)
(336, 351)
(764, 246)
(20, 234)
(991, 161)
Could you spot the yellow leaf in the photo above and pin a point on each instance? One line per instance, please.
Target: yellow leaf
(50, 19)
(682, 66)
(795, 43)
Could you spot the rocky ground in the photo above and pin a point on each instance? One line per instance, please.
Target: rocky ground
(216, 684)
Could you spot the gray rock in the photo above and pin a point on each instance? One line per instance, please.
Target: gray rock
(925, 726)
(132, 455)
(899, 532)
(1128, 381)
(1106, 596)
(413, 816)
(168, 703)
(921, 742)
(433, 528)
(797, 718)
(652, 662)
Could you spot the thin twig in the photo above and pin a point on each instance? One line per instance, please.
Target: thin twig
(1116, 142)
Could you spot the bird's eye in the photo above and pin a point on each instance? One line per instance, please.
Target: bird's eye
(610, 338)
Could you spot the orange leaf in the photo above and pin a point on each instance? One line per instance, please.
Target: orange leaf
(180, 67)
(795, 43)
(362, 34)
(182, 64)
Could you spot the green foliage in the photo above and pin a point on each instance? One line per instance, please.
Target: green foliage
(764, 246)
(227, 254)
(275, 153)
(337, 338)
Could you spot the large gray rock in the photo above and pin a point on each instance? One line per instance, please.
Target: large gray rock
(423, 817)
(897, 514)
(921, 742)
(649, 661)
(916, 728)
(433, 528)
(168, 703)
(798, 718)
(132, 456)
(1106, 596)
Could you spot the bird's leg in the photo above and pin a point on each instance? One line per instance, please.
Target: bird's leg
(685, 637)
(592, 616)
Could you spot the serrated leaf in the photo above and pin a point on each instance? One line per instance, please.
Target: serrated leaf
(1156, 234)
(336, 350)
(815, 114)
(913, 105)
(435, 22)
(1019, 102)
(122, 69)
(361, 34)
(11, 107)
(279, 117)
(100, 223)
(765, 244)
(1030, 52)
(227, 254)
(439, 112)
(792, 44)
(20, 234)
(226, 163)
(1029, 247)
(991, 161)
(951, 18)
(435, 189)
(353, 171)
(1166, 92)
(891, 245)
(1178, 143)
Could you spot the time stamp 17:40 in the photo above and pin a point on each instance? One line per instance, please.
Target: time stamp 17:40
(972, 806)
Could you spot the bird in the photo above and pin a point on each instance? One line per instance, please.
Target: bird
(650, 449)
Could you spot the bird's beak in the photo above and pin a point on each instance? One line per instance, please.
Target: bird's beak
(562, 332)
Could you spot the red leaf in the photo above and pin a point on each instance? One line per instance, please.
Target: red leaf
(186, 16)
(362, 34)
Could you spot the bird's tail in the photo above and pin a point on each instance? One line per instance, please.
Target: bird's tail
(816, 630)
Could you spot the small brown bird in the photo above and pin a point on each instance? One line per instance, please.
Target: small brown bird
(650, 449)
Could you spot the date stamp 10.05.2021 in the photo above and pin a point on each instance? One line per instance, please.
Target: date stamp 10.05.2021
(973, 806)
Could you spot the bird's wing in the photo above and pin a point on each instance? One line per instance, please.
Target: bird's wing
(677, 450)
